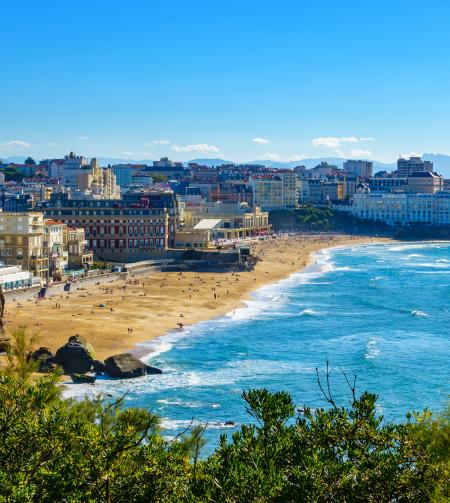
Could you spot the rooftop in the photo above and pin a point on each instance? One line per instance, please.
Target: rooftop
(207, 224)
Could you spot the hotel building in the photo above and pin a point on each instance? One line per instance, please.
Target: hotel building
(136, 227)
(403, 209)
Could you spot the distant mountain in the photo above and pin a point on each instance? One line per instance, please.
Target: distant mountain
(309, 163)
(441, 162)
(209, 162)
(17, 159)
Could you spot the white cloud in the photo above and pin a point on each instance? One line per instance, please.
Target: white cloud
(158, 142)
(51, 144)
(333, 141)
(136, 155)
(337, 142)
(261, 141)
(360, 153)
(83, 137)
(203, 148)
(13, 145)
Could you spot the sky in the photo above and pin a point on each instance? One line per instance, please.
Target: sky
(238, 80)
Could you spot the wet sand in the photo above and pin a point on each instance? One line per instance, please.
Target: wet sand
(144, 306)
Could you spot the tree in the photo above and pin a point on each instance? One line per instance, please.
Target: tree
(52, 449)
(29, 160)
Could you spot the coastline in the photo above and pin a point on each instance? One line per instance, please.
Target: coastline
(151, 305)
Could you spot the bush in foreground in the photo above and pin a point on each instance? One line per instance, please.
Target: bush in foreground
(53, 449)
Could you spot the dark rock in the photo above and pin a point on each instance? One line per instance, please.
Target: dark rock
(75, 357)
(99, 367)
(125, 365)
(83, 378)
(153, 370)
(44, 358)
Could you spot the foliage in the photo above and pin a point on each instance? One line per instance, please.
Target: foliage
(12, 174)
(52, 449)
(308, 218)
(158, 178)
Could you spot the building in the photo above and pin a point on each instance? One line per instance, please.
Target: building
(332, 192)
(167, 168)
(275, 191)
(57, 169)
(139, 226)
(232, 192)
(23, 242)
(311, 191)
(322, 191)
(13, 278)
(349, 185)
(197, 238)
(425, 182)
(78, 254)
(323, 169)
(16, 202)
(403, 209)
(235, 220)
(124, 173)
(97, 182)
(406, 167)
(73, 165)
(363, 169)
(55, 249)
(387, 183)
(142, 179)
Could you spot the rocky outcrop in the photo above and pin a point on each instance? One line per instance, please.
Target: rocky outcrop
(75, 357)
(153, 370)
(125, 365)
(44, 358)
(99, 367)
(83, 378)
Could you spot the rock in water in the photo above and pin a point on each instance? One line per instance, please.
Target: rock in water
(83, 378)
(76, 357)
(126, 365)
(44, 358)
(153, 370)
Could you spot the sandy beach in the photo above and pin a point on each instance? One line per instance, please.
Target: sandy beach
(114, 316)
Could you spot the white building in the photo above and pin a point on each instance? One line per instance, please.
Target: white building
(73, 164)
(403, 209)
(57, 169)
(13, 278)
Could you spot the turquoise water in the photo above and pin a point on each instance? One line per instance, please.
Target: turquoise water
(381, 311)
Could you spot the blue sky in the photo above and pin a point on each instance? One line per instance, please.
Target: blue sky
(240, 80)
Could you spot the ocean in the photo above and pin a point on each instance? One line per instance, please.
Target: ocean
(380, 311)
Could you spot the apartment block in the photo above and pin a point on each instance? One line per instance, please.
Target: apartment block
(406, 167)
(23, 242)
